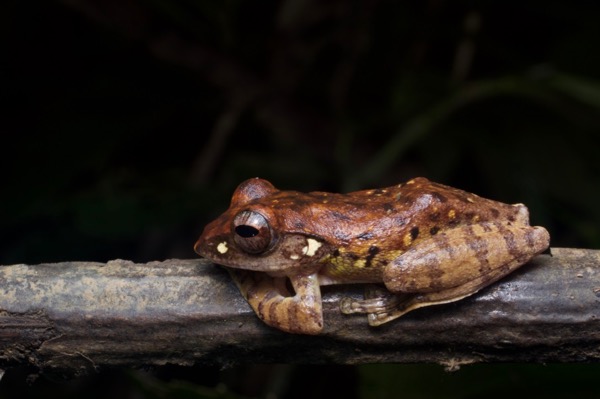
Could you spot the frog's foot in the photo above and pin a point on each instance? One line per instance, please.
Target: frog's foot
(382, 306)
(379, 304)
(376, 299)
(407, 303)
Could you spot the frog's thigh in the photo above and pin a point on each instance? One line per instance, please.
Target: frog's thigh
(453, 265)
(271, 300)
(460, 261)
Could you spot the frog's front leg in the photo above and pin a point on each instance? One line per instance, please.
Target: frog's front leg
(450, 266)
(299, 312)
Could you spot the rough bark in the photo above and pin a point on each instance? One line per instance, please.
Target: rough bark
(74, 317)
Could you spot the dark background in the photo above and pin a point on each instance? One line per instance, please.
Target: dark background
(126, 126)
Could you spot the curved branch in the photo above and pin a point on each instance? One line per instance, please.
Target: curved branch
(78, 316)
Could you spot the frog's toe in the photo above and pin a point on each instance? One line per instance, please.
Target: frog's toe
(392, 311)
(377, 319)
(373, 304)
(347, 305)
(378, 310)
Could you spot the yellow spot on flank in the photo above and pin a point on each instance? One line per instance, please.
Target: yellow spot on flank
(222, 247)
(360, 263)
(407, 240)
(452, 214)
(311, 247)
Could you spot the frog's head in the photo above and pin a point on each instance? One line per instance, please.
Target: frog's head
(252, 235)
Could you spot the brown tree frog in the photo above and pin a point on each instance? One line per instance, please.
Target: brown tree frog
(427, 243)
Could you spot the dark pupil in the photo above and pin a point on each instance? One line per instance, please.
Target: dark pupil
(246, 231)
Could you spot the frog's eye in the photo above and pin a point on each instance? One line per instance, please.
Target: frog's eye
(252, 232)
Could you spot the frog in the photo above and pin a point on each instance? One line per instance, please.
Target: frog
(417, 244)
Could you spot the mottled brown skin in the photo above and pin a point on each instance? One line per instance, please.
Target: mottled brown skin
(428, 243)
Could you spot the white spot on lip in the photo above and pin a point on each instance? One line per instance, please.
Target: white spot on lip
(311, 248)
(222, 247)
(294, 257)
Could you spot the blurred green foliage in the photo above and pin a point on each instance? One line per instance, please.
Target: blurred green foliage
(126, 126)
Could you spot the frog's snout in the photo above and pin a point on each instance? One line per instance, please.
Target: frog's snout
(199, 245)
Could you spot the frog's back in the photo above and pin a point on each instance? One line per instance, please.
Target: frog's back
(375, 226)
(416, 207)
(436, 206)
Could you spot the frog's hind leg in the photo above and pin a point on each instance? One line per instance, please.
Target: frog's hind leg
(450, 266)
(386, 306)
(382, 306)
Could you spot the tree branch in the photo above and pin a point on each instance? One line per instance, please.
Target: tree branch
(76, 316)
